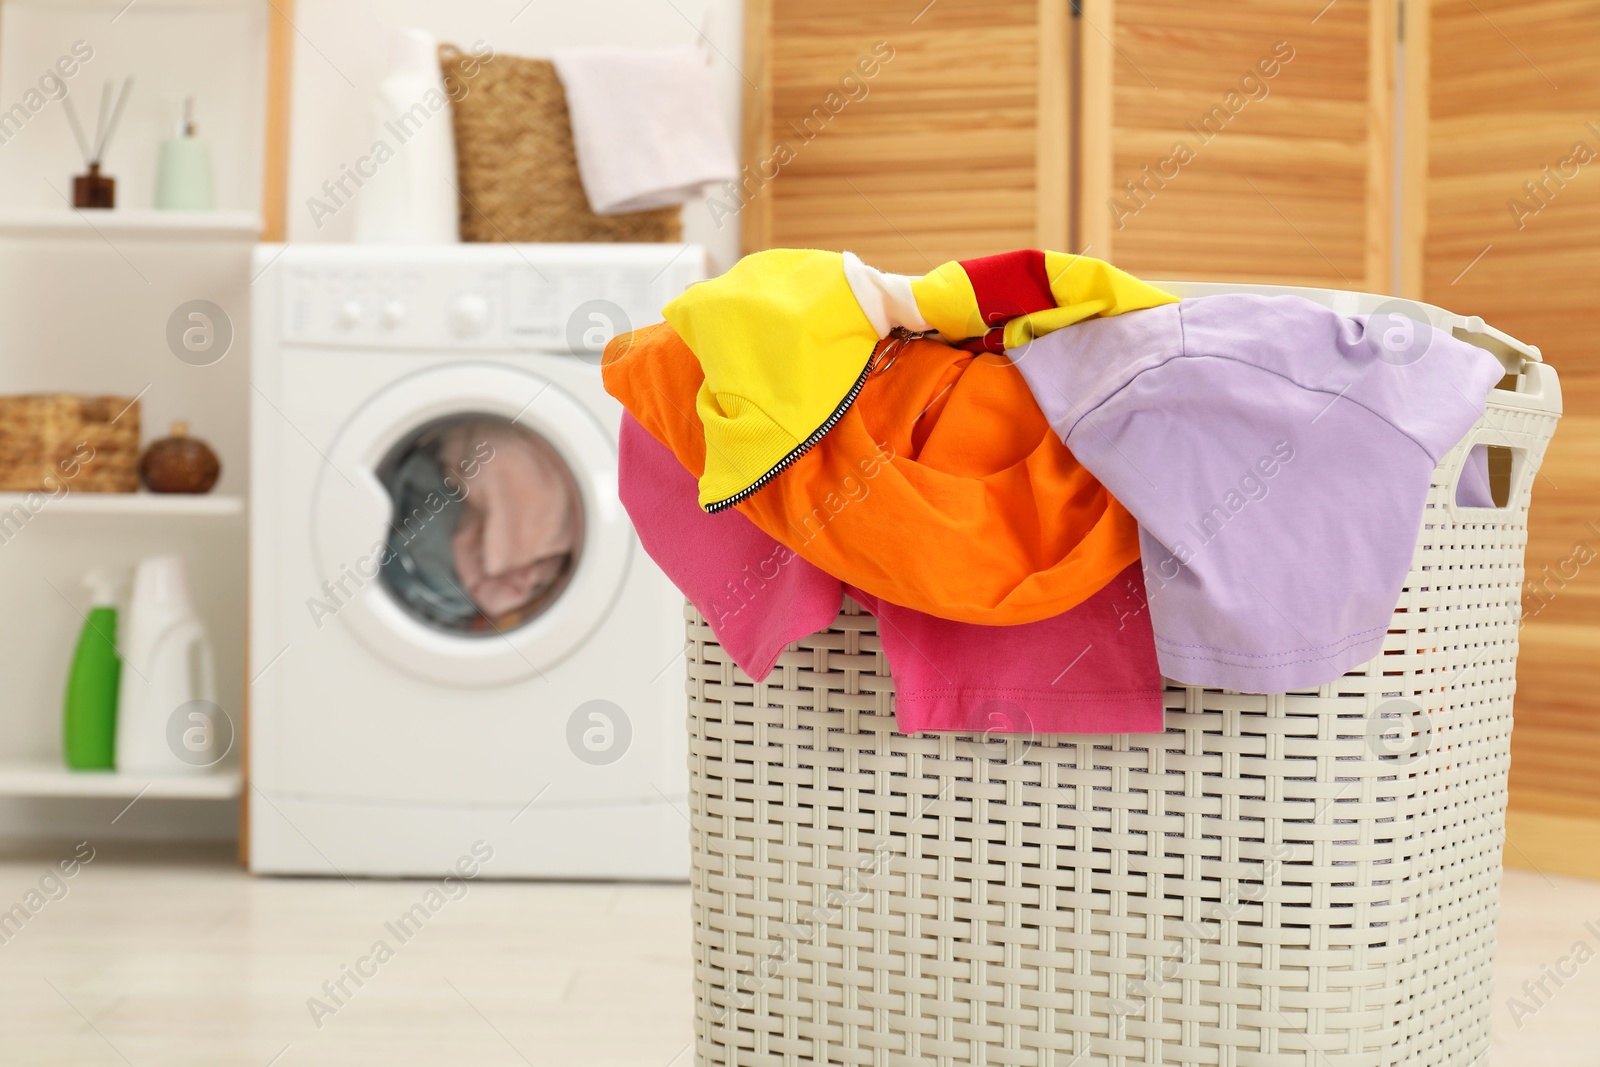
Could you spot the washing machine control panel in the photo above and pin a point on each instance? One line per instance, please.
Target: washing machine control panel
(496, 296)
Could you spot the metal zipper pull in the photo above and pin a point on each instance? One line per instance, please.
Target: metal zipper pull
(889, 350)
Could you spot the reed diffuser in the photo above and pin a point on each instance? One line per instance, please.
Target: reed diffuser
(93, 189)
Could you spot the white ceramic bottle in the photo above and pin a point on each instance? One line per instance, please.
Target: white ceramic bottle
(408, 193)
(167, 718)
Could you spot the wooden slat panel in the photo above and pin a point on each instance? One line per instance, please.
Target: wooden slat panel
(1556, 742)
(1096, 70)
(1053, 133)
(1553, 842)
(755, 220)
(1514, 87)
(1416, 123)
(1292, 177)
(941, 159)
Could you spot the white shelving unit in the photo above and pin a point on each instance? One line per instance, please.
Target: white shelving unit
(88, 300)
(131, 505)
(40, 778)
(46, 779)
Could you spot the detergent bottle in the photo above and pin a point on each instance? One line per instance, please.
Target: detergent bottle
(167, 702)
(407, 194)
(89, 714)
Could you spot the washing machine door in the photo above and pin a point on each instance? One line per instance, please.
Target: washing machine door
(466, 525)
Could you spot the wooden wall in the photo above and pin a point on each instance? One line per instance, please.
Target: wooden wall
(1249, 141)
(955, 147)
(959, 145)
(1514, 89)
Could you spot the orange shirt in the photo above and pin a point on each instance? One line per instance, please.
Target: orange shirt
(942, 488)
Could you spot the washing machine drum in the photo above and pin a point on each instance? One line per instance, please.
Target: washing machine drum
(466, 525)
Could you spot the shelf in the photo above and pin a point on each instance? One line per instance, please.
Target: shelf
(115, 6)
(131, 224)
(130, 504)
(46, 778)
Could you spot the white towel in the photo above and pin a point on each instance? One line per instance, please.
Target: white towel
(645, 125)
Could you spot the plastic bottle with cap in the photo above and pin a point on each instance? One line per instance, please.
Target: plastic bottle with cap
(406, 191)
(89, 714)
(183, 176)
(169, 673)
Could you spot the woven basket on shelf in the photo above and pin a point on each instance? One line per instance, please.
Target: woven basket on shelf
(515, 158)
(1303, 879)
(90, 444)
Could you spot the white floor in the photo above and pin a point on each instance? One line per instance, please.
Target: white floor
(190, 962)
(179, 959)
(1549, 933)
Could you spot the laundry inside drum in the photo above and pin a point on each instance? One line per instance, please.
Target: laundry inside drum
(487, 526)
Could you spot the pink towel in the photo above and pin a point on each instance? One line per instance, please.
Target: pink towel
(519, 524)
(1091, 670)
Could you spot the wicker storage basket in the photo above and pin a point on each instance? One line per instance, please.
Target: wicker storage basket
(89, 444)
(517, 167)
(1302, 879)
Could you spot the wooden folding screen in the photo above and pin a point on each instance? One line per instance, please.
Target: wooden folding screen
(1507, 226)
(1249, 141)
(906, 131)
(1252, 141)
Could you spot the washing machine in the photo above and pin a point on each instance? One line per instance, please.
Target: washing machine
(458, 649)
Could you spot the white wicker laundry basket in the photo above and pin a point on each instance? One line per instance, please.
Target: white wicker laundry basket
(1306, 879)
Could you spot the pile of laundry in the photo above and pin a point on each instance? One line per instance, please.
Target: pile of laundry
(1051, 483)
(485, 529)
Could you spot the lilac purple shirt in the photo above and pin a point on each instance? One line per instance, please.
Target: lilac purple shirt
(1277, 457)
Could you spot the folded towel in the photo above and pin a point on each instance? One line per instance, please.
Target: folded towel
(645, 126)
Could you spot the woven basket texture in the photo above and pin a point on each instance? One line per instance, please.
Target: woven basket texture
(1303, 879)
(517, 167)
(89, 444)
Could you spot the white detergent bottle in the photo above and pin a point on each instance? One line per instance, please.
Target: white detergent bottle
(404, 182)
(167, 718)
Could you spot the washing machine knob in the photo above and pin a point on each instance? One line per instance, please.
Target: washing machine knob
(392, 315)
(469, 314)
(349, 313)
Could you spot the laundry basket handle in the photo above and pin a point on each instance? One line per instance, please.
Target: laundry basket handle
(1536, 388)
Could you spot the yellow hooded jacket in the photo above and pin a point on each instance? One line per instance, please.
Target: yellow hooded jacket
(787, 338)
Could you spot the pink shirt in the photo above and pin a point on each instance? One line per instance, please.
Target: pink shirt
(1091, 670)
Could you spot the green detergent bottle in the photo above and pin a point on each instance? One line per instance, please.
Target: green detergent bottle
(89, 719)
